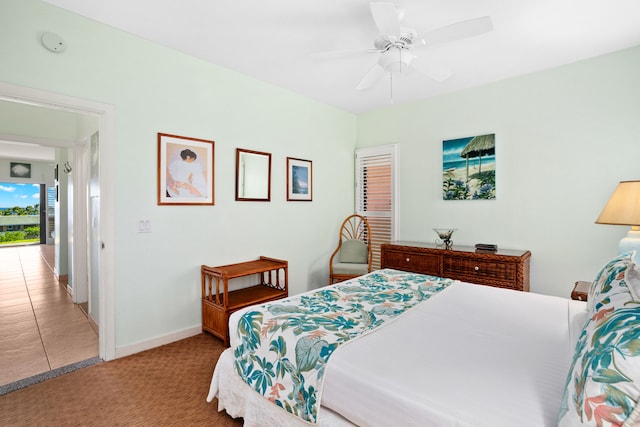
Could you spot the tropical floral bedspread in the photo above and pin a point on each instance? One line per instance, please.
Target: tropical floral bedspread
(283, 346)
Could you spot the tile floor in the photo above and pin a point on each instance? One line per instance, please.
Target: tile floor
(40, 327)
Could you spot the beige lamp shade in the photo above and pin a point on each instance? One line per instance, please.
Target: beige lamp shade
(623, 208)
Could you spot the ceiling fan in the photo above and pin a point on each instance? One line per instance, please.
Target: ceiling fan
(395, 43)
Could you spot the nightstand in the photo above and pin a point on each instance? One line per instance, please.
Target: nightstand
(218, 302)
(580, 290)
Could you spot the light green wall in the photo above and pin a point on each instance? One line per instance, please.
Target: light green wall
(564, 139)
(155, 89)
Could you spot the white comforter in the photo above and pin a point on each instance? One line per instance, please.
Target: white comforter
(472, 356)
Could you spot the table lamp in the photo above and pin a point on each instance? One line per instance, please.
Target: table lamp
(623, 208)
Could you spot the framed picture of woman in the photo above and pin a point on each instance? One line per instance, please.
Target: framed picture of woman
(185, 170)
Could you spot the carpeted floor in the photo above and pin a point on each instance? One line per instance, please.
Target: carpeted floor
(165, 386)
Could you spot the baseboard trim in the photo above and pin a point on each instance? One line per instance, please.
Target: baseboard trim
(128, 350)
(93, 324)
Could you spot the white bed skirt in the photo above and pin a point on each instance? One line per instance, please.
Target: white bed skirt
(239, 400)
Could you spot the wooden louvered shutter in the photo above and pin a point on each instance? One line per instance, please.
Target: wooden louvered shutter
(376, 194)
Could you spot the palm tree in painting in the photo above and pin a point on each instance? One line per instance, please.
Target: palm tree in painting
(482, 145)
(479, 146)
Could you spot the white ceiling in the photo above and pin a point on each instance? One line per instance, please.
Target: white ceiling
(281, 41)
(32, 132)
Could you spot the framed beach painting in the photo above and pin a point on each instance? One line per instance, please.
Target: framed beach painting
(185, 170)
(469, 168)
(299, 180)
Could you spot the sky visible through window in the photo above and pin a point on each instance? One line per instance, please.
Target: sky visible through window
(22, 195)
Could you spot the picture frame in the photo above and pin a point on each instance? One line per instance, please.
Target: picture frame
(253, 175)
(20, 170)
(299, 180)
(469, 168)
(185, 170)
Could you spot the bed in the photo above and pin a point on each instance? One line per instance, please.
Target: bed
(464, 355)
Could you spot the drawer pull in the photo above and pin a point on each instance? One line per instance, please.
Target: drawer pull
(408, 260)
(476, 268)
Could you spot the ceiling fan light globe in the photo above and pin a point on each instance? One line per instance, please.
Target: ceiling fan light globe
(395, 60)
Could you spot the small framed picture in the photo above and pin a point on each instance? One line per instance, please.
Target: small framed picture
(299, 180)
(20, 170)
(185, 170)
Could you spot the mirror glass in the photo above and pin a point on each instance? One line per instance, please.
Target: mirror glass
(253, 175)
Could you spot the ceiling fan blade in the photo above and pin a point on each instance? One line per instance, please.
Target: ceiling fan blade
(433, 70)
(371, 77)
(341, 54)
(459, 30)
(386, 18)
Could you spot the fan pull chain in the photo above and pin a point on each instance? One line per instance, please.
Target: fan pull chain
(391, 75)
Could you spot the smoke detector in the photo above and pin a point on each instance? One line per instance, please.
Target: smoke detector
(53, 42)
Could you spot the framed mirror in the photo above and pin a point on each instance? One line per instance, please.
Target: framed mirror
(253, 175)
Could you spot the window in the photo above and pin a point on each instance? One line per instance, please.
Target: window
(376, 194)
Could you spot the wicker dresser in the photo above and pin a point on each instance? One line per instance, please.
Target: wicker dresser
(504, 268)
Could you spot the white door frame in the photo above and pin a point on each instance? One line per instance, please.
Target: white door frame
(79, 266)
(106, 129)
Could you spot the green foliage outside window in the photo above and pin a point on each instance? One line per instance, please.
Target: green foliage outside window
(29, 234)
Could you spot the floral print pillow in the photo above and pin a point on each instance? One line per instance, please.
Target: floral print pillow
(610, 285)
(633, 281)
(603, 385)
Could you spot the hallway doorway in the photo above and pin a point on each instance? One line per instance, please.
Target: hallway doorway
(101, 222)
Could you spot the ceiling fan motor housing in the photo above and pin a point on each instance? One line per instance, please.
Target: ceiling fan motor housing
(395, 54)
(405, 40)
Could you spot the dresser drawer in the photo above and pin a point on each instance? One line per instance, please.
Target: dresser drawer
(417, 263)
(481, 270)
